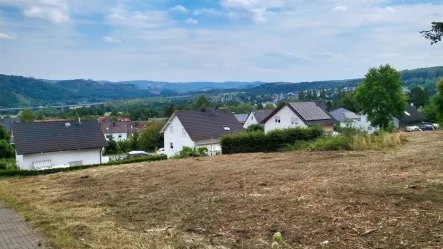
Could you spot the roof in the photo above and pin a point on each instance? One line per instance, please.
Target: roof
(7, 123)
(113, 127)
(411, 116)
(206, 125)
(241, 117)
(260, 115)
(31, 138)
(341, 114)
(312, 113)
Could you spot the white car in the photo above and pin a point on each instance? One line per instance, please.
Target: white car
(436, 126)
(412, 128)
(161, 151)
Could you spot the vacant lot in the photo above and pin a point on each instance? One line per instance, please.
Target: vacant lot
(389, 199)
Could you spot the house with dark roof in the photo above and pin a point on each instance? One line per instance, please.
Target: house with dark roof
(347, 118)
(57, 144)
(256, 117)
(411, 117)
(198, 128)
(121, 131)
(300, 114)
(241, 118)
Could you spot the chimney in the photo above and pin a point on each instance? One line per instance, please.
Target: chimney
(203, 109)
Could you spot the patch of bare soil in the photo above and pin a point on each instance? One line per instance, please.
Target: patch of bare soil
(375, 199)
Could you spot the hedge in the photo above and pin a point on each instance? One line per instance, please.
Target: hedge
(14, 173)
(270, 142)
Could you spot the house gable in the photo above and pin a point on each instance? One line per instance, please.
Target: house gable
(284, 118)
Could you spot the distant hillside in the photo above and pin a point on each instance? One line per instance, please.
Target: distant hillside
(21, 91)
(190, 86)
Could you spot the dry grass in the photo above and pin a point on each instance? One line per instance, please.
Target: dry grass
(377, 142)
(376, 199)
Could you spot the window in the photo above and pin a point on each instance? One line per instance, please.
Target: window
(277, 119)
(119, 136)
(171, 145)
(183, 132)
(75, 163)
(171, 128)
(226, 128)
(294, 121)
(252, 117)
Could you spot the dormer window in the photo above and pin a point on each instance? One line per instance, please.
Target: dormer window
(226, 128)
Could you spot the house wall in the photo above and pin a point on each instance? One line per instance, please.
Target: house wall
(177, 138)
(250, 121)
(397, 123)
(285, 115)
(117, 136)
(88, 156)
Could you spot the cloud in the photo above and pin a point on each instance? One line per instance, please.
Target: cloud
(110, 39)
(208, 12)
(4, 36)
(191, 21)
(123, 16)
(340, 8)
(179, 8)
(54, 15)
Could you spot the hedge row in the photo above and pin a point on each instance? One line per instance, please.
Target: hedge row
(14, 173)
(270, 142)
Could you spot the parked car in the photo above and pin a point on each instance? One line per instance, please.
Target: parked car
(436, 126)
(426, 127)
(412, 128)
(161, 151)
(133, 154)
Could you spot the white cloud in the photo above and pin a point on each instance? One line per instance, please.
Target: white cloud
(179, 8)
(390, 9)
(55, 15)
(208, 12)
(4, 36)
(340, 8)
(110, 39)
(123, 16)
(191, 21)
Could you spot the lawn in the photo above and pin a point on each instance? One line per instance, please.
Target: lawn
(373, 199)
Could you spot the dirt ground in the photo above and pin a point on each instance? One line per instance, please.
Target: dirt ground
(376, 199)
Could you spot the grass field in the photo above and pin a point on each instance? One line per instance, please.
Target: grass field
(373, 199)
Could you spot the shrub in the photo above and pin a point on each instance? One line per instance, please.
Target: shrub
(15, 173)
(270, 142)
(321, 144)
(192, 152)
(255, 127)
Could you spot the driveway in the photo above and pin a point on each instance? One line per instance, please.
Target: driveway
(15, 233)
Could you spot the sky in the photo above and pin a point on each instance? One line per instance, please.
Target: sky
(214, 40)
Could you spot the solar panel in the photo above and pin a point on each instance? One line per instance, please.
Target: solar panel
(310, 111)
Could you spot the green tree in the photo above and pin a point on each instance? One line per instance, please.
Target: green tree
(418, 96)
(380, 96)
(151, 138)
(202, 102)
(438, 101)
(3, 133)
(134, 141)
(169, 110)
(242, 108)
(6, 150)
(301, 95)
(323, 94)
(435, 34)
(27, 116)
(260, 106)
(112, 147)
(269, 107)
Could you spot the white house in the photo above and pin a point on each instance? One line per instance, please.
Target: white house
(58, 144)
(348, 118)
(117, 130)
(256, 117)
(201, 128)
(300, 114)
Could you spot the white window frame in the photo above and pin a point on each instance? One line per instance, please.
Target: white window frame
(277, 119)
(294, 120)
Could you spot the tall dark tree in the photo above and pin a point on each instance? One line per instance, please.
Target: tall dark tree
(435, 34)
(202, 102)
(112, 147)
(169, 110)
(380, 96)
(418, 96)
(260, 106)
(3, 133)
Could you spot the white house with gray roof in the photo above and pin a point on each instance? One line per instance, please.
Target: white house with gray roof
(198, 128)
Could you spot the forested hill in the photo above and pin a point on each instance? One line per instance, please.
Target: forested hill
(424, 77)
(22, 91)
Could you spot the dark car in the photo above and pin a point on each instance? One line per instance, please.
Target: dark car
(426, 127)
